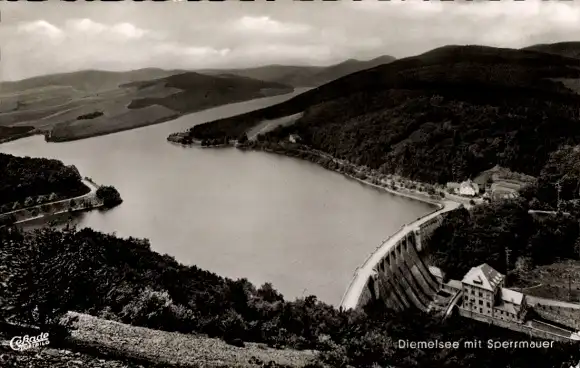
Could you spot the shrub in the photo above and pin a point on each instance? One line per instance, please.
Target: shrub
(109, 195)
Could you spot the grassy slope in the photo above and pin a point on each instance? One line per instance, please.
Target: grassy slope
(53, 103)
(442, 115)
(86, 80)
(303, 76)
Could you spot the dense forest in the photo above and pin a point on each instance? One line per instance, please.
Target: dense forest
(444, 115)
(558, 185)
(25, 178)
(123, 280)
(484, 235)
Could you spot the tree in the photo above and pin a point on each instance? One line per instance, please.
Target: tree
(47, 259)
(269, 294)
(109, 195)
(243, 138)
(28, 202)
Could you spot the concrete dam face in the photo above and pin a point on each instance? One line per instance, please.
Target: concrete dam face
(397, 274)
(402, 279)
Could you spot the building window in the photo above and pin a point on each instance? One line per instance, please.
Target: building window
(480, 310)
(472, 292)
(488, 304)
(481, 302)
(480, 294)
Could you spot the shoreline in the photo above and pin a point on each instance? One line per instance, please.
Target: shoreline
(402, 192)
(61, 139)
(89, 196)
(82, 209)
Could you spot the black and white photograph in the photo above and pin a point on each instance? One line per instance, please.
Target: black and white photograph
(289, 184)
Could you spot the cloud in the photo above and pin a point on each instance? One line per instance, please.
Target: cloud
(40, 28)
(266, 25)
(85, 26)
(51, 38)
(179, 50)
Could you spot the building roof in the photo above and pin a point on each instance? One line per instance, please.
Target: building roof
(483, 276)
(507, 307)
(456, 284)
(469, 184)
(436, 271)
(512, 296)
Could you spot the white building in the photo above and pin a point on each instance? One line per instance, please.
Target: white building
(468, 188)
(293, 138)
(483, 293)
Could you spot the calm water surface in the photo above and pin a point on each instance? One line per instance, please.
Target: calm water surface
(239, 214)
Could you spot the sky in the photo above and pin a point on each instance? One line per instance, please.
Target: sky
(56, 36)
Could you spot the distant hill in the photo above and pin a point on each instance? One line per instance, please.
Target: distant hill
(199, 91)
(303, 76)
(569, 49)
(86, 80)
(443, 115)
(65, 106)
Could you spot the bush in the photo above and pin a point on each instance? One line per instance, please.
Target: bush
(109, 195)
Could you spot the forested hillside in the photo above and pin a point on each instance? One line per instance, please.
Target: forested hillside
(123, 280)
(26, 177)
(444, 115)
(570, 49)
(197, 91)
(486, 233)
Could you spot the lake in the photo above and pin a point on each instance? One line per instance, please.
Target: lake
(261, 216)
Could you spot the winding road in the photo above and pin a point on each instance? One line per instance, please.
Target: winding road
(93, 189)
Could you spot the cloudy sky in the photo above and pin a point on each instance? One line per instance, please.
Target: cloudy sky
(43, 38)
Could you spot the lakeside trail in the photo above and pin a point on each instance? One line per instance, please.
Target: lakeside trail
(90, 197)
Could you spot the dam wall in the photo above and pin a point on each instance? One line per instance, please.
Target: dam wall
(396, 273)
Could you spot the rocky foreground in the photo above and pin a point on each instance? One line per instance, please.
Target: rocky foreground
(99, 343)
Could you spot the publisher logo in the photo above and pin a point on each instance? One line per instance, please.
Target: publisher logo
(20, 343)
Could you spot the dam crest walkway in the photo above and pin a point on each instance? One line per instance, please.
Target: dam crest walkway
(362, 274)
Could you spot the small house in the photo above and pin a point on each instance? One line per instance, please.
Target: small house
(468, 188)
(294, 138)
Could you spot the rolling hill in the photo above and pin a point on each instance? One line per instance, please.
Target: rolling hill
(303, 76)
(444, 115)
(87, 80)
(569, 49)
(115, 100)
